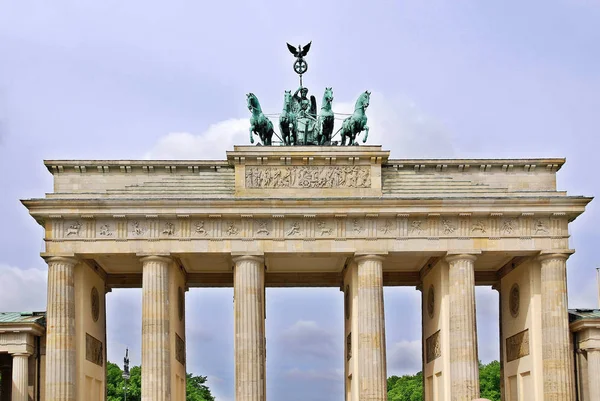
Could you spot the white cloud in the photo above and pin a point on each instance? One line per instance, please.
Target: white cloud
(210, 144)
(395, 123)
(22, 289)
(308, 338)
(404, 357)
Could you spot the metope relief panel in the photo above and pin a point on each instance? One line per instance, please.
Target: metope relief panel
(137, 228)
(387, 228)
(517, 346)
(356, 227)
(308, 177)
(433, 347)
(73, 229)
(105, 229)
(93, 350)
(167, 229)
(263, 228)
(179, 349)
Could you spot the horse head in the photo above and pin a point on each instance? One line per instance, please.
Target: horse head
(287, 100)
(363, 100)
(328, 96)
(253, 103)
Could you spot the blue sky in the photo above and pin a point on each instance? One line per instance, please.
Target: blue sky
(113, 79)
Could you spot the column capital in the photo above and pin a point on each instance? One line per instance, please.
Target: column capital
(69, 259)
(26, 354)
(555, 254)
(453, 256)
(164, 258)
(242, 257)
(361, 256)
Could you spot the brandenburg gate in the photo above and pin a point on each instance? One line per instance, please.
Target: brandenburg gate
(348, 217)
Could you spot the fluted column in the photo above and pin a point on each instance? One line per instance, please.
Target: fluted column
(249, 327)
(593, 364)
(60, 330)
(156, 355)
(371, 329)
(556, 343)
(20, 377)
(464, 362)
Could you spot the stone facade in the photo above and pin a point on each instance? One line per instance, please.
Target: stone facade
(347, 217)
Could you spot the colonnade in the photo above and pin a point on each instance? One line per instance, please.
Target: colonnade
(249, 327)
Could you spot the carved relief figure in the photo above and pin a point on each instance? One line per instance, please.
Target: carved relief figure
(387, 227)
(508, 227)
(416, 227)
(169, 229)
(356, 226)
(232, 229)
(74, 229)
(262, 228)
(105, 231)
(200, 228)
(137, 229)
(540, 227)
(323, 228)
(448, 227)
(478, 226)
(294, 229)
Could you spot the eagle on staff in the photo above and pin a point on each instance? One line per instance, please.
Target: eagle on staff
(300, 65)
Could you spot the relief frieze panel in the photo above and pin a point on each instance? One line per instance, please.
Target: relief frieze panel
(281, 227)
(308, 177)
(517, 346)
(433, 347)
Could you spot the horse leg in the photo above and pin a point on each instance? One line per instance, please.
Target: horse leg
(251, 137)
(366, 134)
(284, 134)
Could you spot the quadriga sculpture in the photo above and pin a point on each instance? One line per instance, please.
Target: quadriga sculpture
(259, 123)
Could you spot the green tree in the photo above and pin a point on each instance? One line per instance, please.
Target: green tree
(489, 380)
(410, 388)
(197, 390)
(405, 388)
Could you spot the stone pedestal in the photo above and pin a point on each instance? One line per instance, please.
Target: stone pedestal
(156, 357)
(20, 377)
(371, 329)
(556, 343)
(249, 327)
(464, 363)
(60, 330)
(593, 365)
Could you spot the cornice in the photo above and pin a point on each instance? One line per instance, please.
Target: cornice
(363, 152)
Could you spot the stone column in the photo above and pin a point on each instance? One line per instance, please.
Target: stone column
(593, 364)
(464, 363)
(60, 330)
(371, 329)
(249, 328)
(20, 377)
(156, 355)
(556, 344)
